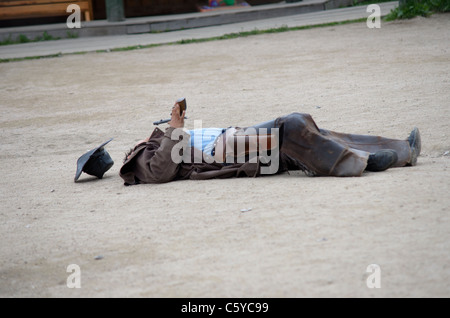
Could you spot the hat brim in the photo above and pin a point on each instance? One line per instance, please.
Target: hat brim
(81, 162)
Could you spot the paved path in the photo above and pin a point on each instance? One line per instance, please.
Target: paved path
(90, 44)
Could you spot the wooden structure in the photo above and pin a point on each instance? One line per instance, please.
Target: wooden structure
(25, 9)
(42, 9)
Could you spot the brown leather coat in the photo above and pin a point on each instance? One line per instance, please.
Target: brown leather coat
(151, 162)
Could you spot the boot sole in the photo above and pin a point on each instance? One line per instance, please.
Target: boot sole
(416, 146)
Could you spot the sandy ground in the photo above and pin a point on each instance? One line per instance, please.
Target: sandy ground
(301, 236)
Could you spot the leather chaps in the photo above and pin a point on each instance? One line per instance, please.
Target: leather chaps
(327, 153)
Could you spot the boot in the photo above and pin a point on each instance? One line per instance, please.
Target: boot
(415, 143)
(381, 160)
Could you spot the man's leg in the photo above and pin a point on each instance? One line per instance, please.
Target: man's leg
(303, 141)
(407, 150)
(334, 154)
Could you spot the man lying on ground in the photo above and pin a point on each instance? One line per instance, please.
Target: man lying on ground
(291, 142)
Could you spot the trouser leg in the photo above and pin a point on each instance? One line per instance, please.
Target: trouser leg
(302, 140)
(324, 152)
(372, 144)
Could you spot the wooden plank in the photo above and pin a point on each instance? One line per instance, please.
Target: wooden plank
(30, 2)
(43, 10)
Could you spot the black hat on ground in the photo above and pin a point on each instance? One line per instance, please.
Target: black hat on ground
(94, 162)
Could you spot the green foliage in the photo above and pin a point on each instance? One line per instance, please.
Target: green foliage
(411, 8)
(7, 41)
(45, 37)
(72, 35)
(24, 39)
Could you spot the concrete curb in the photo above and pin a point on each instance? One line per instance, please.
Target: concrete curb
(107, 43)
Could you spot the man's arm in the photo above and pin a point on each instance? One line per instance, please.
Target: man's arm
(177, 120)
(150, 165)
(161, 167)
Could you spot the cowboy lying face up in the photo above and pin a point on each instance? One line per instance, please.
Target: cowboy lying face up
(291, 142)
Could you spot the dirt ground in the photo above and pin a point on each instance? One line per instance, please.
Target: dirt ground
(276, 236)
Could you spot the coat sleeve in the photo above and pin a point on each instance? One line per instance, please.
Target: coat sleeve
(160, 166)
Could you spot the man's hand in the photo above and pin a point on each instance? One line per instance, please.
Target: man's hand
(176, 120)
